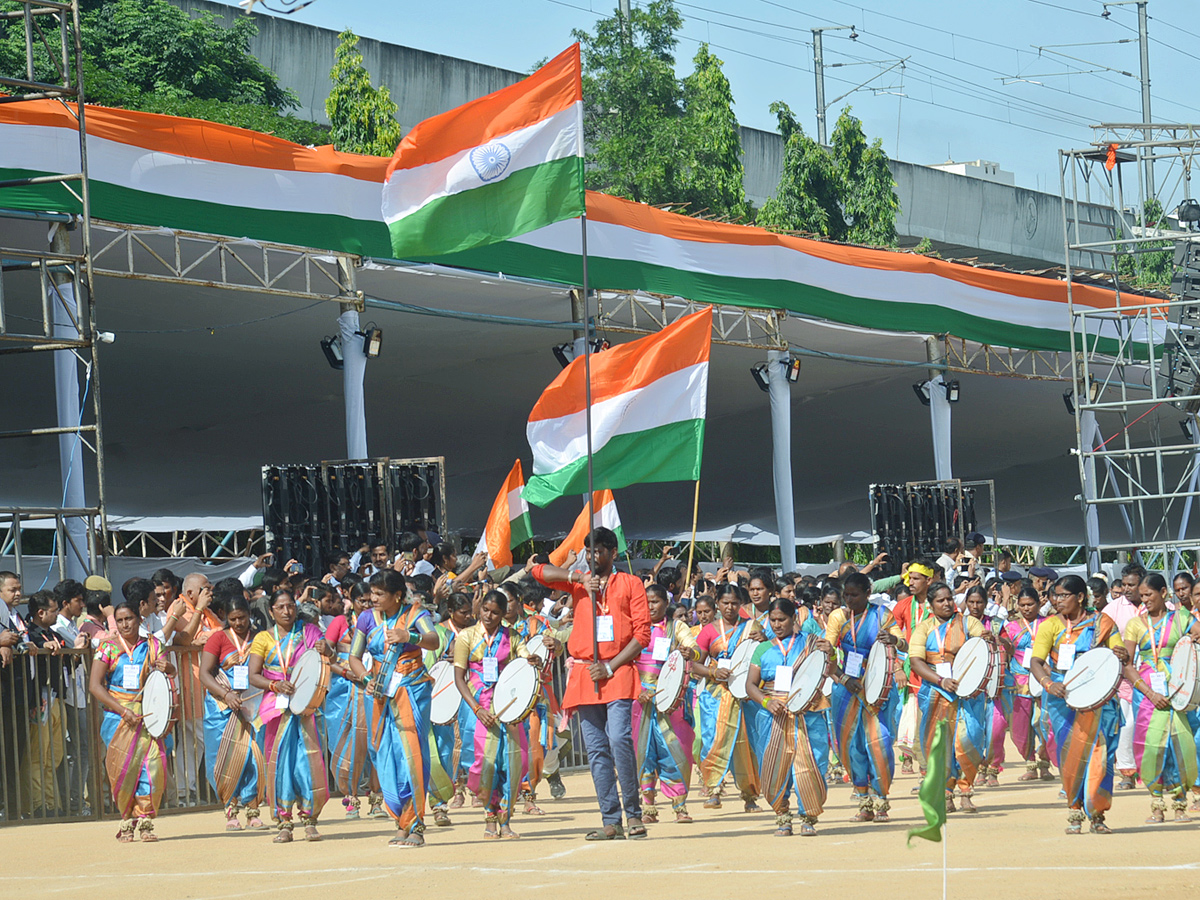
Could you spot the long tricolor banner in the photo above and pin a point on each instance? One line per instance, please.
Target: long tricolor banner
(197, 176)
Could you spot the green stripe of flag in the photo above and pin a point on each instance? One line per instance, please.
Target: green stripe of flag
(522, 202)
(666, 453)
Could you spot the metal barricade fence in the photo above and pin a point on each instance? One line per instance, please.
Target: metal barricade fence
(52, 756)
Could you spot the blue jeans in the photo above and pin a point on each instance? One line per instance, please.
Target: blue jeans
(607, 731)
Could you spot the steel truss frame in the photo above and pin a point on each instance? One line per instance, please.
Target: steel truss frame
(1149, 478)
(66, 321)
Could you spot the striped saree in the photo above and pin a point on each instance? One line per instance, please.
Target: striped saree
(135, 762)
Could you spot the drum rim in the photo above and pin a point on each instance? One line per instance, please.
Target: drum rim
(1067, 677)
(814, 653)
(295, 671)
(1189, 688)
(513, 670)
(435, 698)
(987, 650)
(677, 695)
(887, 670)
(152, 680)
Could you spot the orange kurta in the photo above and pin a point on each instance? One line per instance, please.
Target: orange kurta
(624, 597)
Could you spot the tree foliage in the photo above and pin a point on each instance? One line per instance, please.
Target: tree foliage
(362, 118)
(149, 55)
(650, 136)
(1142, 266)
(845, 193)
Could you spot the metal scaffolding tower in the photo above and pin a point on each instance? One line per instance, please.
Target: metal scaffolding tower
(46, 309)
(1135, 366)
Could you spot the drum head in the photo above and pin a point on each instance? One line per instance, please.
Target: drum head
(827, 687)
(1035, 686)
(515, 691)
(971, 667)
(306, 679)
(443, 709)
(156, 704)
(672, 681)
(537, 648)
(807, 680)
(1181, 688)
(739, 667)
(1093, 678)
(877, 676)
(251, 702)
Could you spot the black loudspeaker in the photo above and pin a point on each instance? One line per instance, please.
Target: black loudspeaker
(292, 514)
(916, 520)
(309, 511)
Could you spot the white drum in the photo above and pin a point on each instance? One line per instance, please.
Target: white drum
(1035, 687)
(538, 650)
(1093, 679)
(443, 709)
(739, 667)
(516, 692)
(672, 683)
(972, 667)
(160, 704)
(310, 681)
(1183, 688)
(878, 678)
(807, 680)
(827, 687)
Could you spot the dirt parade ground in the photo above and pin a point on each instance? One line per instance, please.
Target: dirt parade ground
(1014, 847)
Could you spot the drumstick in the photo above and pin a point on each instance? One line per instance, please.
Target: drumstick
(1071, 681)
(966, 668)
(444, 688)
(501, 712)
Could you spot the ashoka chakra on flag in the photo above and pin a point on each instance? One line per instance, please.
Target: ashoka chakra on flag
(490, 162)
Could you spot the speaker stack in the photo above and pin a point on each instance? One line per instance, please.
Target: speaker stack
(915, 520)
(311, 510)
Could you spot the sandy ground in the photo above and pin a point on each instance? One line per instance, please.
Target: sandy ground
(1015, 847)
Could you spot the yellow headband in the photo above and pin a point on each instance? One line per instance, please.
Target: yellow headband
(919, 569)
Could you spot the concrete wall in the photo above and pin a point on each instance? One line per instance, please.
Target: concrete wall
(964, 217)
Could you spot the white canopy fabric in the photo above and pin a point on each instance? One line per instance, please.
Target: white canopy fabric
(193, 409)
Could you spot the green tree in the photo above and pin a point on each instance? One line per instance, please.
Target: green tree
(711, 174)
(362, 118)
(845, 193)
(869, 201)
(1142, 266)
(149, 55)
(808, 198)
(651, 137)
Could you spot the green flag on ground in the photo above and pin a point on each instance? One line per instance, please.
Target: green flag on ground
(933, 789)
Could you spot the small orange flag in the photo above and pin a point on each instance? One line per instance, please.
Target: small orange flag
(1111, 162)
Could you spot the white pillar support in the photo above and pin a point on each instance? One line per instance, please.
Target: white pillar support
(354, 372)
(70, 446)
(939, 421)
(781, 456)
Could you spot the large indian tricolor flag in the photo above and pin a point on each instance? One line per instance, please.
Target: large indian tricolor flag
(604, 511)
(648, 404)
(508, 525)
(492, 169)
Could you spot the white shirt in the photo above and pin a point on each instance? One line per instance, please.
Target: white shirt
(424, 567)
(76, 688)
(948, 566)
(152, 625)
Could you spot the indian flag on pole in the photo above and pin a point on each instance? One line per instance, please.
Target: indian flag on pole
(492, 169)
(605, 507)
(508, 525)
(648, 405)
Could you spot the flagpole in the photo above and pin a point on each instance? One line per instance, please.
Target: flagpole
(587, 396)
(692, 547)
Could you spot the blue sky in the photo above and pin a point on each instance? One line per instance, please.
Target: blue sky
(954, 96)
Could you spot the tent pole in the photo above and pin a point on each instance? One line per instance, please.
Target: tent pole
(781, 456)
(587, 397)
(354, 370)
(939, 417)
(687, 580)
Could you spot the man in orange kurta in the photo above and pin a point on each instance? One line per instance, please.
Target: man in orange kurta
(602, 688)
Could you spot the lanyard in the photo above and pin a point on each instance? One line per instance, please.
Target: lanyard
(489, 649)
(285, 656)
(1156, 647)
(125, 647)
(941, 641)
(241, 648)
(854, 630)
(778, 643)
